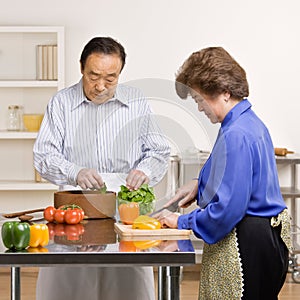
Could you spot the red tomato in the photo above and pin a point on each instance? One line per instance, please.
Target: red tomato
(51, 229)
(59, 216)
(80, 210)
(59, 229)
(74, 232)
(49, 213)
(72, 216)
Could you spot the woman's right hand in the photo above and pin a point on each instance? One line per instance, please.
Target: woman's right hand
(187, 193)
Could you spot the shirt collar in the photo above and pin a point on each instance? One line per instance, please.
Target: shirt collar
(235, 112)
(120, 95)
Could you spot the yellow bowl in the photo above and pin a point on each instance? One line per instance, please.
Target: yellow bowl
(32, 122)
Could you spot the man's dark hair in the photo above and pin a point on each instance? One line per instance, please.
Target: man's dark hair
(104, 45)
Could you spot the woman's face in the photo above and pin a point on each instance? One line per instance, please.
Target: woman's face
(213, 107)
(100, 76)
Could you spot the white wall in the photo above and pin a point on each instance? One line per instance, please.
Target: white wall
(159, 35)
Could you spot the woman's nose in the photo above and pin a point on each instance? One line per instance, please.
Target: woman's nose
(200, 107)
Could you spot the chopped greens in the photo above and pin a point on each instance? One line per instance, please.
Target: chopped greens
(144, 196)
(103, 189)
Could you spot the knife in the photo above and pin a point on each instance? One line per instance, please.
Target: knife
(172, 208)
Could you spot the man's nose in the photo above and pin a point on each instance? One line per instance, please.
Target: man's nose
(100, 85)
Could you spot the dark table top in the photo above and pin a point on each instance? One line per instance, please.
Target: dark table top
(94, 242)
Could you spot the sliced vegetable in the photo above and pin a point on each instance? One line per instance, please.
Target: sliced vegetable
(144, 196)
(146, 222)
(39, 235)
(15, 235)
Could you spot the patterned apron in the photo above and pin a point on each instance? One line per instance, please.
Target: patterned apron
(221, 269)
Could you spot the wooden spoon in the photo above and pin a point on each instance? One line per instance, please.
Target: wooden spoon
(17, 214)
(25, 218)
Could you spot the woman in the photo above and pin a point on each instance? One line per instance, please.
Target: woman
(242, 216)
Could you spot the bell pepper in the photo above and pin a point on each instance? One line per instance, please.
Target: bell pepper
(146, 222)
(39, 235)
(15, 235)
(37, 249)
(143, 245)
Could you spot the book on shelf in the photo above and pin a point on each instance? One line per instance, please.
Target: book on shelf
(39, 62)
(55, 63)
(46, 62)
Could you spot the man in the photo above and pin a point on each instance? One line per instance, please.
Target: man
(94, 127)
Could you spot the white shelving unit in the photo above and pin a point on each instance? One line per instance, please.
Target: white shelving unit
(19, 86)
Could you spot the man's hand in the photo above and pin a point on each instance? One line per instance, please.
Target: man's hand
(89, 179)
(135, 179)
(187, 193)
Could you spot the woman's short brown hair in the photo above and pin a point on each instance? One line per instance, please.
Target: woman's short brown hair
(213, 71)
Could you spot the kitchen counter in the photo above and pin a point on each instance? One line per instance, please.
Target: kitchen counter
(95, 243)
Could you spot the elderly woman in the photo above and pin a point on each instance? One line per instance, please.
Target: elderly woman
(242, 216)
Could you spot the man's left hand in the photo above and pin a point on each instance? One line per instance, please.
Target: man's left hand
(135, 179)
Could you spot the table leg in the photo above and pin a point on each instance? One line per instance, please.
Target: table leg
(15, 288)
(162, 283)
(174, 283)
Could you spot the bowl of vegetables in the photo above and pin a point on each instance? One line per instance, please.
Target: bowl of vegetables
(132, 203)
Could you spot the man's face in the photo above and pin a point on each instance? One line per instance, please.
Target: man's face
(100, 76)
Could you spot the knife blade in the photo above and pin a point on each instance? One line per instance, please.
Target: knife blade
(172, 208)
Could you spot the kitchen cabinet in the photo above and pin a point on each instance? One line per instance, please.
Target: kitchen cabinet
(20, 84)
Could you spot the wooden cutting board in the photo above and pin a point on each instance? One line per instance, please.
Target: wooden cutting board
(126, 232)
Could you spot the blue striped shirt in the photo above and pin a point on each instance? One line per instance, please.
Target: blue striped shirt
(114, 137)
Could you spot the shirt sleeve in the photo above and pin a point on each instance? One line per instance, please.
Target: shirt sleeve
(228, 188)
(49, 160)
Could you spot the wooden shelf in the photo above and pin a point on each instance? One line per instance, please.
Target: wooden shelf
(19, 86)
(290, 192)
(20, 185)
(289, 159)
(27, 83)
(15, 135)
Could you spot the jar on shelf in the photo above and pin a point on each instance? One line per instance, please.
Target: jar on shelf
(13, 119)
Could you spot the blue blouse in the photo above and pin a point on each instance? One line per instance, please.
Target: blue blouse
(239, 178)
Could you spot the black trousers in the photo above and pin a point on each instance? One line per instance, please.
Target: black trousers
(264, 258)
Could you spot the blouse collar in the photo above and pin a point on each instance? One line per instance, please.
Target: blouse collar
(235, 112)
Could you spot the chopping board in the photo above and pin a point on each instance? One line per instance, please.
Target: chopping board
(126, 232)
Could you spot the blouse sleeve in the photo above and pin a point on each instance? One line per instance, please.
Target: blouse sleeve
(227, 190)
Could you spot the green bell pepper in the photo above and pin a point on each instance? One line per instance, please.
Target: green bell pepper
(15, 235)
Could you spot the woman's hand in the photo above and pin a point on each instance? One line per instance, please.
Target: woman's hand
(187, 193)
(89, 179)
(135, 179)
(169, 220)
